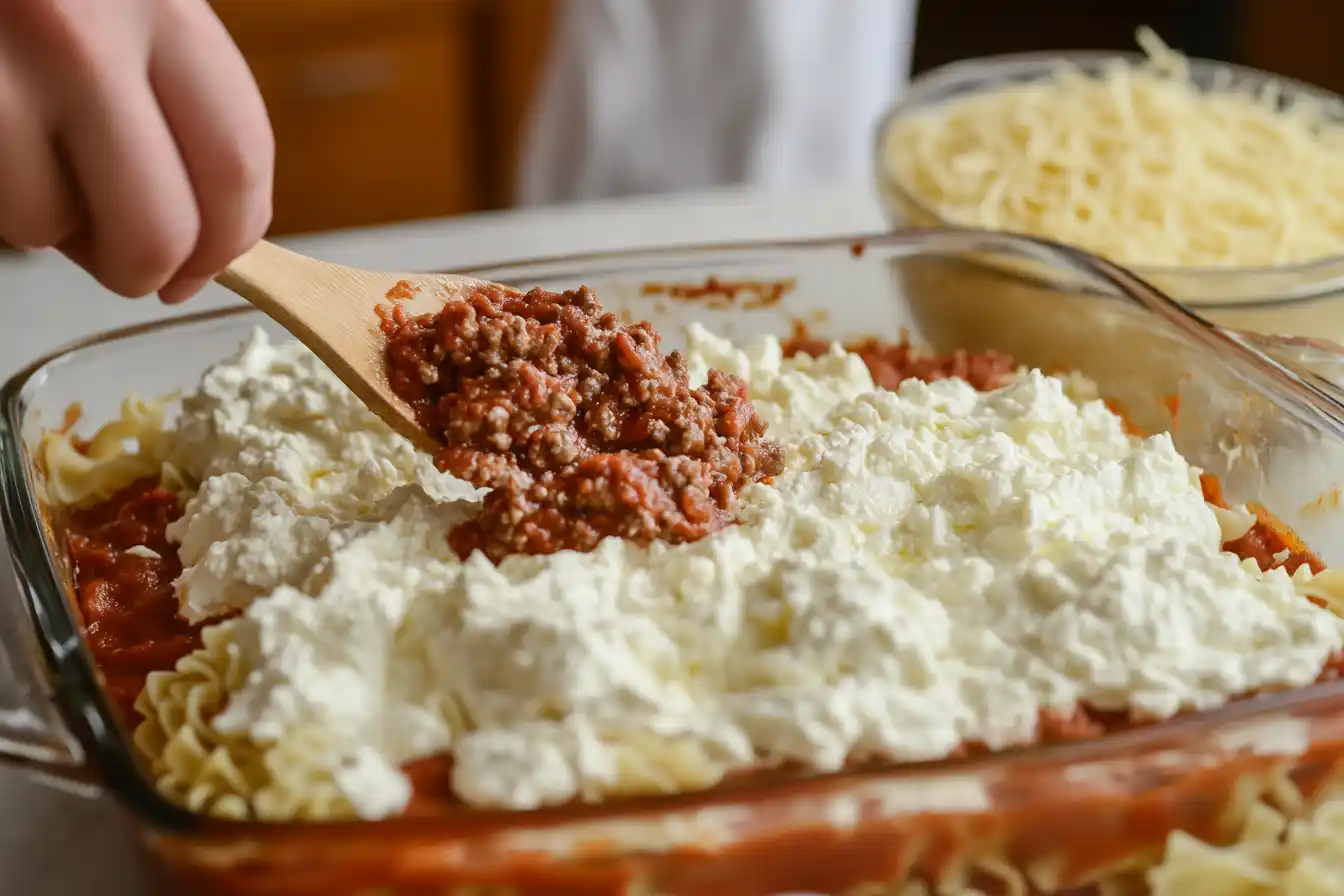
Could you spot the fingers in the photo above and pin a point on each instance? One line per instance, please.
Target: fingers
(217, 117)
(141, 214)
(133, 138)
(37, 205)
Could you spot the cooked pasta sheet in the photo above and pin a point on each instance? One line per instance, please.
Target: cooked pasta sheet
(1138, 165)
(1273, 855)
(133, 446)
(228, 776)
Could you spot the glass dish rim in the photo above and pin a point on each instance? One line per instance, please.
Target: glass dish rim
(1039, 63)
(110, 753)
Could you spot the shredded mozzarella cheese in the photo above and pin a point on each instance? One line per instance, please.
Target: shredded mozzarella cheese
(1136, 163)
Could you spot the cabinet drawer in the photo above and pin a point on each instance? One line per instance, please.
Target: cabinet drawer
(373, 113)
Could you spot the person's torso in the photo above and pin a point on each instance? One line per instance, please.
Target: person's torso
(654, 96)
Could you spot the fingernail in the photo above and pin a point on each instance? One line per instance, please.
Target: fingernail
(180, 290)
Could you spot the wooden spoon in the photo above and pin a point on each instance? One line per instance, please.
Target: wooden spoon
(330, 308)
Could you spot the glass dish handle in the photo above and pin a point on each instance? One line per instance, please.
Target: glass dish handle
(1318, 362)
(33, 736)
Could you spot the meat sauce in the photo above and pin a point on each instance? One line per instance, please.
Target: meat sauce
(890, 363)
(597, 419)
(580, 425)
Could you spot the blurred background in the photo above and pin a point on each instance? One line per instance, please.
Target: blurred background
(391, 110)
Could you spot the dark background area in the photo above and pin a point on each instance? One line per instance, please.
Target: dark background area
(949, 30)
(1298, 38)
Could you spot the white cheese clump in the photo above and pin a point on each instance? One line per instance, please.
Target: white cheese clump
(936, 565)
(286, 455)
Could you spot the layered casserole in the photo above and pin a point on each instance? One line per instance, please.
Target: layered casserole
(632, 574)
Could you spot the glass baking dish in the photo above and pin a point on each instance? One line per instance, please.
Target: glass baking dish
(1257, 412)
(1302, 299)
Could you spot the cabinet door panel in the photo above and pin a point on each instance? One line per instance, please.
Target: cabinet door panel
(373, 106)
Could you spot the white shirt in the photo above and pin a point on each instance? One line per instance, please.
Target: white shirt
(658, 96)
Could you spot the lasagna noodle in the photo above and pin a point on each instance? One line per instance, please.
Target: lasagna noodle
(1273, 855)
(197, 767)
(1137, 164)
(132, 446)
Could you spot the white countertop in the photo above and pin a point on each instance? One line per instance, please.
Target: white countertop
(55, 844)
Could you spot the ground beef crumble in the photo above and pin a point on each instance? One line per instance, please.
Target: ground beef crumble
(891, 363)
(579, 424)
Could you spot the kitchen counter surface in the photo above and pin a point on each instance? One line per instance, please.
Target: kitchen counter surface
(56, 844)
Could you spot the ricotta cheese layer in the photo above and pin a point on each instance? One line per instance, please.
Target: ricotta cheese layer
(935, 566)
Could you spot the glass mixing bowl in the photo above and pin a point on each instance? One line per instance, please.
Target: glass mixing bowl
(1298, 299)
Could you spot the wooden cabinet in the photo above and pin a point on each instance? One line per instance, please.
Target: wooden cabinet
(387, 110)
(1298, 39)
(518, 34)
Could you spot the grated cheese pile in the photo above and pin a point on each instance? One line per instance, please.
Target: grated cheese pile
(1137, 164)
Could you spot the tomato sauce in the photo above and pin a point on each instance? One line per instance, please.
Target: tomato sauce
(124, 567)
(744, 294)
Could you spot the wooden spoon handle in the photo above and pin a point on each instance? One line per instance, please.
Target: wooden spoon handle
(287, 285)
(329, 308)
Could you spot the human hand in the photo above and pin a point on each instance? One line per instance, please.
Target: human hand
(132, 139)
